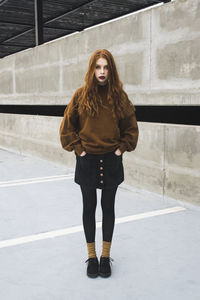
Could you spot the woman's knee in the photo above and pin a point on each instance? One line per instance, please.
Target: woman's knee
(108, 200)
(89, 210)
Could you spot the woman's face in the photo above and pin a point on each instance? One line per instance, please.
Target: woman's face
(101, 71)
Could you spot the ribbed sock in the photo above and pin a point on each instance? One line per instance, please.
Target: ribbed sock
(91, 250)
(106, 249)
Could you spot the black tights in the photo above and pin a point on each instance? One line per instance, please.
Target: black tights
(89, 208)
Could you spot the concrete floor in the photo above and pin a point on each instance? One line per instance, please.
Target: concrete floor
(156, 251)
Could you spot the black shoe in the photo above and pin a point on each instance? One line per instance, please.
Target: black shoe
(93, 267)
(104, 267)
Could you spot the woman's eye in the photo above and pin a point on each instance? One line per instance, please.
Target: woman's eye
(97, 67)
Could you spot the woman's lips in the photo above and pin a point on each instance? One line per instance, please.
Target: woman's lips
(102, 77)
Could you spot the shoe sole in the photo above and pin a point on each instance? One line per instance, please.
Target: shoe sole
(92, 275)
(104, 274)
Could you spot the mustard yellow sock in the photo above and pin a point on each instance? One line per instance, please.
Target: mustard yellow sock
(106, 249)
(91, 250)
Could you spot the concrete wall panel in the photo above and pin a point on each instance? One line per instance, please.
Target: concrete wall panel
(182, 163)
(38, 80)
(182, 186)
(180, 60)
(143, 176)
(183, 14)
(126, 31)
(40, 55)
(6, 82)
(144, 166)
(69, 49)
(130, 68)
(35, 135)
(175, 60)
(150, 147)
(182, 146)
(7, 62)
(71, 78)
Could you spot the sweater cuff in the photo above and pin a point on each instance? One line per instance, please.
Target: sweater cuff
(122, 148)
(78, 148)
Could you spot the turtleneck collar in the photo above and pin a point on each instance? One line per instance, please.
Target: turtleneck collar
(103, 87)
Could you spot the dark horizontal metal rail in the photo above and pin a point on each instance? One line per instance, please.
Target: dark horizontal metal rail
(174, 114)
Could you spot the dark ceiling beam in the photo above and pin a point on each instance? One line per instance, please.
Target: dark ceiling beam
(30, 30)
(16, 23)
(15, 45)
(38, 22)
(69, 12)
(58, 28)
(16, 36)
(46, 26)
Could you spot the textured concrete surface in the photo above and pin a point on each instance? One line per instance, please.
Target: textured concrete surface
(154, 257)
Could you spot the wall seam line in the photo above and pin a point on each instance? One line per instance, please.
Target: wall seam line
(150, 50)
(164, 160)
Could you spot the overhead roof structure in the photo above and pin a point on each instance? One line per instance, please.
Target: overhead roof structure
(27, 23)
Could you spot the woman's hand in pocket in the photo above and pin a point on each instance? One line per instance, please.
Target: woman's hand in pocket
(118, 152)
(83, 153)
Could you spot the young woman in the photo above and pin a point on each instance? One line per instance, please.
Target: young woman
(99, 124)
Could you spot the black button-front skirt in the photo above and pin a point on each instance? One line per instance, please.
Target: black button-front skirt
(99, 170)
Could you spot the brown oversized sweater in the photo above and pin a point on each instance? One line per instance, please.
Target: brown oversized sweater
(101, 134)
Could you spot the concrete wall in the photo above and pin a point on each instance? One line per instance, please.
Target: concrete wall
(157, 55)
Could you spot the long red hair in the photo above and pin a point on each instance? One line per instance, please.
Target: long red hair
(89, 98)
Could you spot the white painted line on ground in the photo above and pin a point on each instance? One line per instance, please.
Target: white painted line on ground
(150, 214)
(35, 180)
(66, 231)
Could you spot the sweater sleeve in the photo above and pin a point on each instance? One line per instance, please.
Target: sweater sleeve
(69, 137)
(128, 129)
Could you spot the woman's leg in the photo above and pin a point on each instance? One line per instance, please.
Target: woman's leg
(89, 197)
(108, 221)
